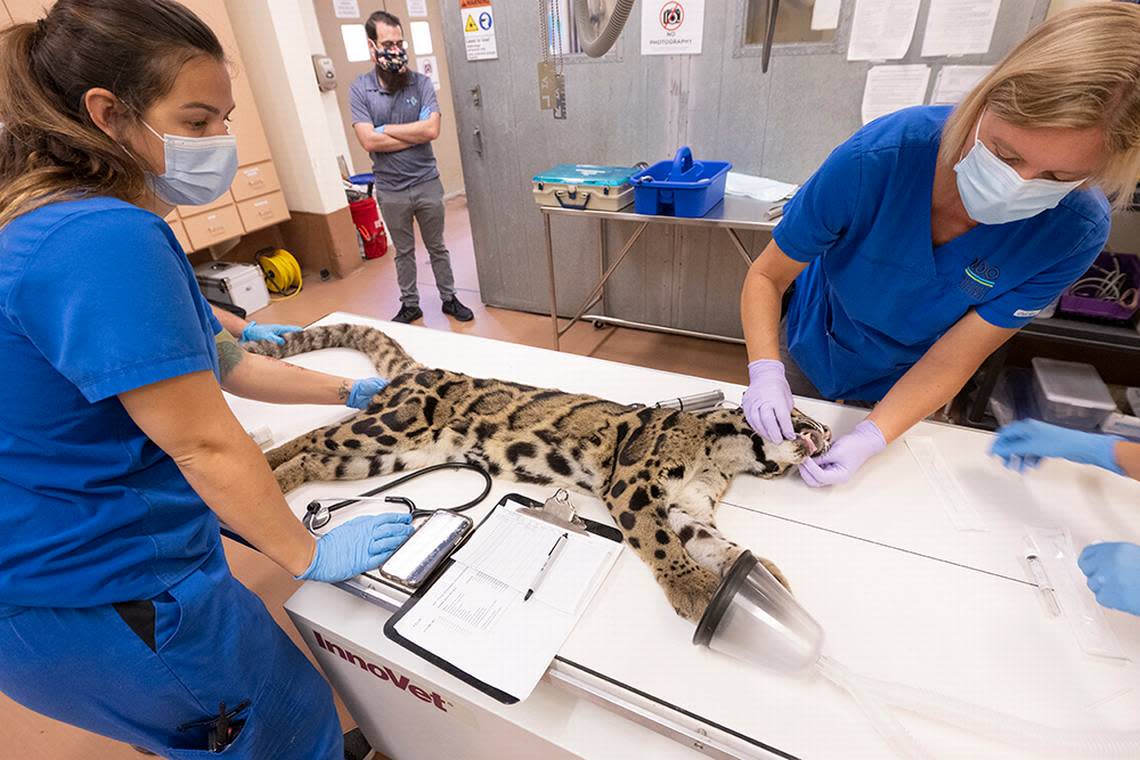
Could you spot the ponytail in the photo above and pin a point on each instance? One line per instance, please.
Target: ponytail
(50, 148)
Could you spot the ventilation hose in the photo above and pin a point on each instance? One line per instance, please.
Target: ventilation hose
(281, 270)
(875, 697)
(600, 45)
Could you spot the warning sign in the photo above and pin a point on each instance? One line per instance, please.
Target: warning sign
(429, 67)
(478, 19)
(672, 27)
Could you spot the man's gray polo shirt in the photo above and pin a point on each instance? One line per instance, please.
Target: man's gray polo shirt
(372, 104)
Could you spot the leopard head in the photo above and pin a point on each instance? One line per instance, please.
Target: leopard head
(738, 448)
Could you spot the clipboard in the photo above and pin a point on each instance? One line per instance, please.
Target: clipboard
(575, 523)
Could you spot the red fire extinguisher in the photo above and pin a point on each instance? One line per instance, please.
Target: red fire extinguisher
(366, 217)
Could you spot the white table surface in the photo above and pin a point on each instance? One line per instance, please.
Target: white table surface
(901, 594)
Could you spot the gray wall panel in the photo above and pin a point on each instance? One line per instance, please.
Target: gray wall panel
(626, 108)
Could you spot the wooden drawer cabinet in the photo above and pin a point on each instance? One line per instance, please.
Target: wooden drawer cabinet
(213, 227)
(225, 200)
(255, 180)
(263, 211)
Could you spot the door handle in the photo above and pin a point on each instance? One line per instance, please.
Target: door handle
(478, 135)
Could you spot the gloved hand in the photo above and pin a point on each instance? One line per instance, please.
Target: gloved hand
(1113, 571)
(844, 457)
(363, 390)
(358, 546)
(254, 331)
(425, 113)
(767, 403)
(1025, 443)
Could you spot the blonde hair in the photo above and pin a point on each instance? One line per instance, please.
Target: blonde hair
(1079, 69)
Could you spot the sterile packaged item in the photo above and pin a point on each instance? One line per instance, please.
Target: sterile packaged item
(585, 187)
(241, 285)
(1071, 393)
(754, 618)
(262, 436)
(960, 508)
(1053, 547)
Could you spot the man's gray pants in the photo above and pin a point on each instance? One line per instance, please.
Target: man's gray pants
(422, 203)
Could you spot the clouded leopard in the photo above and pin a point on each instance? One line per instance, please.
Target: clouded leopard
(660, 472)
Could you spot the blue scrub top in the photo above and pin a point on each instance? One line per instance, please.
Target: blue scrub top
(877, 294)
(96, 298)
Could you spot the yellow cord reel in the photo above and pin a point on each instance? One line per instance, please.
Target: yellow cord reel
(282, 272)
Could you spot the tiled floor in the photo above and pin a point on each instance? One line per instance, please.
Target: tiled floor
(372, 291)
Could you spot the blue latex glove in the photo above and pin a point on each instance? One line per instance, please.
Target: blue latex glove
(425, 113)
(768, 402)
(254, 331)
(1025, 443)
(363, 390)
(844, 457)
(379, 130)
(358, 546)
(1113, 571)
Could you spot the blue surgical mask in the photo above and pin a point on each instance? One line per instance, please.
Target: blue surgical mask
(994, 193)
(198, 169)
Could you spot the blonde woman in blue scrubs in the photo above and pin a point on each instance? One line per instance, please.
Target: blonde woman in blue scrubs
(928, 238)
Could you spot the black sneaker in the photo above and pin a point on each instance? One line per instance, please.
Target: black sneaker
(408, 314)
(458, 310)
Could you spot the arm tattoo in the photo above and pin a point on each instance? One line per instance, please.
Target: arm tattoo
(343, 391)
(230, 353)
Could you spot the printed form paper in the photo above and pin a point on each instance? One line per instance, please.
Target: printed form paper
(890, 88)
(954, 82)
(959, 27)
(882, 29)
(475, 617)
(825, 14)
(346, 8)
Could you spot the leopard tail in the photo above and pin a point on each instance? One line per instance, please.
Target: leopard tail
(386, 355)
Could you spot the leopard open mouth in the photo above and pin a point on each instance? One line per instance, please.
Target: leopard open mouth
(814, 441)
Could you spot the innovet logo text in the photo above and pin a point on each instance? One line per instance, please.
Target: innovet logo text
(384, 674)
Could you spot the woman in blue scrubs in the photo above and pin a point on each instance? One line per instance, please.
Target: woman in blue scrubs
(932, 235)
(118, 453)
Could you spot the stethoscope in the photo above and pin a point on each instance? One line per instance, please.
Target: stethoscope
(317, 515)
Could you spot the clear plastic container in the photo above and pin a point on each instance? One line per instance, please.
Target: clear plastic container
(1071, 393)
(1133, 395)
(754, 618)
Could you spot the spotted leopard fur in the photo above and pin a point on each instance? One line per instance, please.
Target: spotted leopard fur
(660, 472)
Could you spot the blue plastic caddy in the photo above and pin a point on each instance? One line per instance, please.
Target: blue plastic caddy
(681, 187)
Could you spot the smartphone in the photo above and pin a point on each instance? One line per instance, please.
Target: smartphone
(414, 562)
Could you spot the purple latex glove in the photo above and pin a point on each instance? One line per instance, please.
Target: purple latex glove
(767, 403)
(844, 457)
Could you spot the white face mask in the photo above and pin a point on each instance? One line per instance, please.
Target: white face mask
(198, 169)
(994, 193)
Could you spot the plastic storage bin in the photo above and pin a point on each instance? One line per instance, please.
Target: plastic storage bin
(681, 187)
(1071, 393)
(584, 186)
(1104, 309)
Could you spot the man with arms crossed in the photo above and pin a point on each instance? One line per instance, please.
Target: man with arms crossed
(396, 116)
